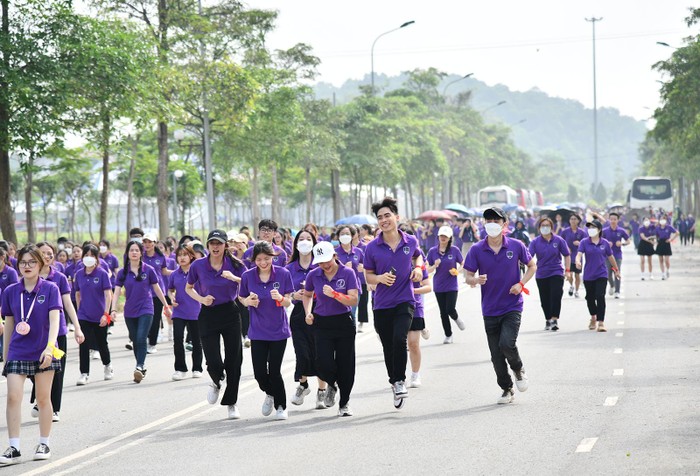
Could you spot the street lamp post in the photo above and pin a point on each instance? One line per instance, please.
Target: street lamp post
(444, 91)
(403, 25)
(593, 21)
(177, 175)
(499, 103)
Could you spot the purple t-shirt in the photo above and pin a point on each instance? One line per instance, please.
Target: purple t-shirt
(419, 313)
(187, 308)
(299, 275)
(647, 231)
(502, 271)
(443, 281)
(380, 258)
(92, 289)
(209, 281)
(58, 266)
(664, 233)
(8, 276)
(113, 264)
(456, 239)
(549, 255)
(279, 260)
(139, 294)
(356, 255)
(46, 297)
(157, 262)
(60, 280)
(613, 236)
(570, 236)
(268, 321)
(343, 281)
(595, 255)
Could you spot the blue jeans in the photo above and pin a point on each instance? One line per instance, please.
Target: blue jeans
(502, 332)
(138, 333)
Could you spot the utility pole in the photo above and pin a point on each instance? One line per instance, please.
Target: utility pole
(208, 175)
(593, 21)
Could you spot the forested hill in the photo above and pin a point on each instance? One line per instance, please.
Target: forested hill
(542, 125)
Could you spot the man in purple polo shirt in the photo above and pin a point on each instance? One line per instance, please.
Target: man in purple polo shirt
(497, 259)
(573, 236)
(618, 237)
(266, 231)
(388, 266)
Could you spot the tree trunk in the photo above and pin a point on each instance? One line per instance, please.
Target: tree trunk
(434, 193)
(28, 187)
(275, 194)
(89, 214)
(422, 197)
(130, 185)
(162, 196)
(106, 133)
(335, 194)
(255, 198)
(409, 194)
(309, 194)
(46, 219)
(7, 219)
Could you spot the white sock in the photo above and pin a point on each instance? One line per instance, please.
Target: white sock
(15, 443)
(44, 440)
(415, 375)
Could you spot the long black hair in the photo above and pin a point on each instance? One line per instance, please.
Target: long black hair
(295, 251)
(121, 276)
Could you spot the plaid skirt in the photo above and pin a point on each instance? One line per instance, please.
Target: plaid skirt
(28, 367)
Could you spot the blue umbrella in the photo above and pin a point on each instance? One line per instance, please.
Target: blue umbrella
(456, 207)
(357, 220)
(475, 212)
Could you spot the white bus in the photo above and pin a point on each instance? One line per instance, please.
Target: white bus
(654, 192)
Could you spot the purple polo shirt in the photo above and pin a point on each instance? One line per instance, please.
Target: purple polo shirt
(456, 239)
(72, 270)
(502, 271)
(268, 321)
(343, 281)
(647, 231)
(634, 226)
(113, 264)
(664, 233)
(209, 281)
(549, 254)
(157, 262)
(279, 260)
(187, 308)
(613, 236)
(92, 289)
(171, 264)
(570, 236)
(356, 255)
(58, 266)
(595, 256)
(380, 258)
(46, 297)
(60, 280)
(139, 294)
(443, 281)
(419, 312)
(299, 275)
(8, 276)
(431, 237)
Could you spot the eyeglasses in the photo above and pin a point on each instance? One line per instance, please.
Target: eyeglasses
(28, 264)
(265, 229)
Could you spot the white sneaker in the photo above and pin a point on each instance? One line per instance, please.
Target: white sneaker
(320, 399)
(359, 327)
(196, 374)
(55, 418)
(611, 291)
(617, 295)
(281, 413)
(425, 333)
(213, 393)
(268, 405)
(663, 276)
(301, 392)
(177, 376)
(83, 380)
(448, 340)
(35, 411)
(506, 397)
(415, 381)
(151, 349)
(233, 413)
(161, 338)
(329, 399)
(576, 294)
(400, 390)
(644, 276)
(345, 411)
(170, 333)
(460, 324)
(521, 380)
(109, 372)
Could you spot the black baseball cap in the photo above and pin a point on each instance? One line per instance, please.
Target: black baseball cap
(594, 223)
(218, 235)
(495, 213)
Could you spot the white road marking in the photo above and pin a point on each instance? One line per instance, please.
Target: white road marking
(618, 372)
(586, 445)
(618, 350)
(619, 334)
(620, 323)
(611, 401)
(620, 312)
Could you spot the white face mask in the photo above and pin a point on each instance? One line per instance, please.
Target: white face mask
(61, 246)
(137, 239)
(546, 230)
(647, 222)
(305, 246)
(593, 232)
(662, 222)
(69, 251)
(103, 249)
(345, 239)
(89, 261)
(493, 229)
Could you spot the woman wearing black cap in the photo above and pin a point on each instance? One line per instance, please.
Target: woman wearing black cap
(595, 273)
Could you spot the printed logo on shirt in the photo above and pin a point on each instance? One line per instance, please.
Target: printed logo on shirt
(157, 261)
(602, 247)
(355, 257)
(509, 254)
(96, 280)
(406, 250)
(143, 275)
(4, 276)
(449, 256)
(275, 286)
(556, 245)
(275, 258)
(341, 284)
(41, 299)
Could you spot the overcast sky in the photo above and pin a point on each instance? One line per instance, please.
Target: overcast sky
(521, 44)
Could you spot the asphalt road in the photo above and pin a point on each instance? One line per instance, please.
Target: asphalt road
(621, 402)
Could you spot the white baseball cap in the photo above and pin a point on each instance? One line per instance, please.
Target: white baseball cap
(150, 236)
(323, 252)
(445, 231)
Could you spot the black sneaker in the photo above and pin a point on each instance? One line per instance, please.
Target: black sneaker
(42, 452)
(329, 399)
(548, 325)
(555, 325)
(11, 456)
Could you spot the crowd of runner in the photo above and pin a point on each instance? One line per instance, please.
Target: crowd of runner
(233, 290)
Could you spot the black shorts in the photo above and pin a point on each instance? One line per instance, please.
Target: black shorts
(574, 268)
(645, 248)
(417, 324)
(664, 249)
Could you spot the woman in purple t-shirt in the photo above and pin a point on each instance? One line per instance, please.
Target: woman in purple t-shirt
(645, 250)
(665, 234)
(31, 311)
(266, 291)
